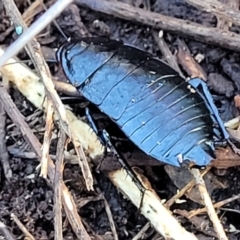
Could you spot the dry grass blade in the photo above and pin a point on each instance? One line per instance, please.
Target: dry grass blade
(142, 232)
(216, 205)
(47, 140)
(58, 187)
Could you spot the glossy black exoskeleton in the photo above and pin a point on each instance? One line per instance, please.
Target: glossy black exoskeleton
(166, 117)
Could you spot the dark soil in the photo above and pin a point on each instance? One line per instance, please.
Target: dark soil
(30, 197)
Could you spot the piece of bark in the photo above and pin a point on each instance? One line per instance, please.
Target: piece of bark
(225, 158)
(167, 55)
(188, 63)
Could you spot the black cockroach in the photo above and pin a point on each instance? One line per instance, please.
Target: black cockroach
(166, 117)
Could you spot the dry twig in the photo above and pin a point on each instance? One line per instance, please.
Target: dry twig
(57, 186)
(216, 205)
(209, 206)
(141, 233)
(110, 218)
(47, 140)
(22, 227)
(34, 9)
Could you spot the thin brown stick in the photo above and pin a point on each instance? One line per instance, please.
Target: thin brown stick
(216, 205)
(85, 200)
(72, 214)
(69, 205)
(162, 22)
(22, 227)
(18, 120)
(217, 8)
(209, 206)
(57, 187)
(34, 9)
(188, 63)
(222, 22)
(47, 140)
